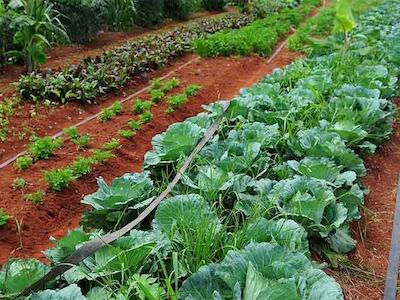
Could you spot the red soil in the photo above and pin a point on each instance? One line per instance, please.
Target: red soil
(220, 78)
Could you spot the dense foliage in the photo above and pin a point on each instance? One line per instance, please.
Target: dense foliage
(180, 9)
(82, 19)
(217, 5)
(281, 177)
(259, 37)
(149, 12)
(113, 69)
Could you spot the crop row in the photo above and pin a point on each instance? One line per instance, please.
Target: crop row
(259, 37)
(44, 148)
(98, 75)
(280, 179)
(113, 69)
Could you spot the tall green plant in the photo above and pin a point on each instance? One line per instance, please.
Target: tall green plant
(38, 25)
(118, 14)
(148, 12)
(344, 22)
(217, 5)
(180, 9)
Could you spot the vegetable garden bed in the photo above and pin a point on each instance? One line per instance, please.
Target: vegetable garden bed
(246, 185)
(63, 209)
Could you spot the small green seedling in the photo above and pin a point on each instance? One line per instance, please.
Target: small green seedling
(156, 96)
(170, 84)
(134, 125)
(82, 141)
(81, 166)
(169, 110)
(192, 90)
(117, 107)
(59, 179)
(35, 198)
(145, 117)
(3, 217)
(106, 114)
(99, 156)
(139, 106)
(177, 100)
(128, 134)
(44, 147)
(71, 132)
(156, 83)
(23, 162)
(111, 145)
(18, 184)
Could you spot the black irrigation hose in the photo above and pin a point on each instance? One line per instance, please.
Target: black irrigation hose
(92, 246)
(394, 255)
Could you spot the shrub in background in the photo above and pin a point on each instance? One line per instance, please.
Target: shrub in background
(7, 33)
(81, 19)
(118, 14)
(217, 5)
(180, 9)
(148, 12)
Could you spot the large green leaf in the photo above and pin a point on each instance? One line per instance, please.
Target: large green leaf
(179, 140)
(38, 54)
(186, 212)
(66, 245)
(71, 292)
(110, 260)
(302, 197)
(345, 21)
(134, 187)
(116, 204)
(283, 232)
(258, 287)
(261, 271)
(18, 274)
(318, 142)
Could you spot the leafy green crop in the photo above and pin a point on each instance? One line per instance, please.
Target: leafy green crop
(113, 204)
(59, 179)
(169, 85)
(113, 69)
(261, 271)
(128, 134)
(18, 274)
(140, 106)
(106, 114)
(35, 197)
(18, 183)
(23, 162)
(259, 37)
(112, 144)
(3, 217)
(279, 179)
(180, 139)
(145, 117)
(192, 90)
(156, 96)
(43, 148)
